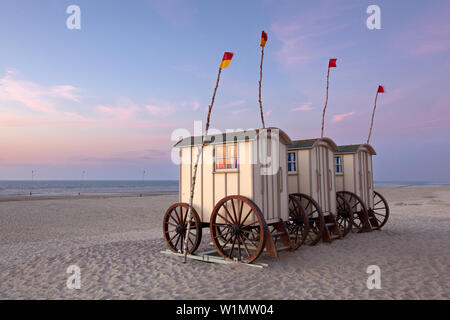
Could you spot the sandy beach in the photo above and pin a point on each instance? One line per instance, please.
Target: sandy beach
(116, 242)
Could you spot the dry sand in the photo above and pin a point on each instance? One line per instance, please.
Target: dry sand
(116, 241)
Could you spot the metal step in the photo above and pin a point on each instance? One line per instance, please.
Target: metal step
(277, 234)
(335, 236)
(330, 224)
(284, 248)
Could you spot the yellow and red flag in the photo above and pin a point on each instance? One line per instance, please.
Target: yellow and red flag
(227, 56)
(263, 39)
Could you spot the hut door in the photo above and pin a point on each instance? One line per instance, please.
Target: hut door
(370, 181)
(323, 178)
(364, 176)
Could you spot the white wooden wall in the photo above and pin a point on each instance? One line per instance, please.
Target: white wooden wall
(270, 193)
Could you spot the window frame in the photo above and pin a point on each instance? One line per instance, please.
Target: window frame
(225, 157)
(292, 161)
(341, 165)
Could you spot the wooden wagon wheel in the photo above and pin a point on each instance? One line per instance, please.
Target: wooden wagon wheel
(175, 225)
(237, 229)
(380, 209)
(316, 221)
(360, 217)
(297, 225)
(344, 217)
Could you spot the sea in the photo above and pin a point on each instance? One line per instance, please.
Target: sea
(74, 187)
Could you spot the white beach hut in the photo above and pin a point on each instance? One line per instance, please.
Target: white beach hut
(354, 180)
(311, 177)
(241, 194)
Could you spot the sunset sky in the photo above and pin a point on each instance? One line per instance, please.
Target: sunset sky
(106, 98)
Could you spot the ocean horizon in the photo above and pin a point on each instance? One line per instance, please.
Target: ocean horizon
(74, 187)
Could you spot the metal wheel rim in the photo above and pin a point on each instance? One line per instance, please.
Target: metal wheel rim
(241, 234)
(344, 217)
(354, 200)
(297, 225)
(381, 213)
(173, 223)
(315, 218)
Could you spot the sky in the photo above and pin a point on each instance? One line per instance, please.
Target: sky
(107, 98)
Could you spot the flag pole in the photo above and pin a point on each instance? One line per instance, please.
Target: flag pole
(373, 115)
(200, 151)
(326, 102)
(260, 79)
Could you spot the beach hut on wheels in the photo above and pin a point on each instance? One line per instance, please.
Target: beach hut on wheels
(241, 195)
(354, 181)
(311, 179)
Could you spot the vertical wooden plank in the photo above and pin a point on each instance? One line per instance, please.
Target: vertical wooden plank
(180, 182)
(371, 186)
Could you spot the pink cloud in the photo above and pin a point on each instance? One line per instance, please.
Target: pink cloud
(233, 104)
(196, 105)
(33, 95)
(342, 116)
(176, 12)
(158, 110)
(303, 33)
(239, 111)
(430, 34)
(125, 112)
(304, 107)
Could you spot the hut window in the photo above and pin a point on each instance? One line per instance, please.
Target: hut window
(338, 164)
(226, 156)
(292, 162)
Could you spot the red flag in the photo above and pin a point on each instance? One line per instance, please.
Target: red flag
(380, 89)
(332, 63)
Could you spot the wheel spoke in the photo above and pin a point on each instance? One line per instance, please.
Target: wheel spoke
(175, 225)
(222, 234)
(234, 211)
(189, 238)
(381, 200)
(240, 211)
(245, 246)
(178, 239)
(307, 206)
(248, 214)
(177, 221)
(224, 218)
(232, 247)
(255, 222)
(251, 241)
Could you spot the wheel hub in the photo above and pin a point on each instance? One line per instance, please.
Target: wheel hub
(344, 214)
(235, 229)
(180, 229)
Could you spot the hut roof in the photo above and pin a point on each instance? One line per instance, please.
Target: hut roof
(230, 137)
(354, 148)
(309, 143)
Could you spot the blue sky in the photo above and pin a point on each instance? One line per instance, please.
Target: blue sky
(106, 98)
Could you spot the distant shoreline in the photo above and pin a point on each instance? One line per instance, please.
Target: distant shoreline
(36, 197)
